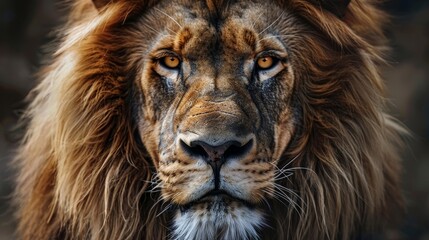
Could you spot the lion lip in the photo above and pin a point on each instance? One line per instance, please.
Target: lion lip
(215, 195)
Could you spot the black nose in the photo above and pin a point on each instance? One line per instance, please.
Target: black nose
(216, 155)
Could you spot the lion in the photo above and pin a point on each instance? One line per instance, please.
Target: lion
(211, 119)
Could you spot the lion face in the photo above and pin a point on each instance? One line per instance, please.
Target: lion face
(252, 119)
(217, 113)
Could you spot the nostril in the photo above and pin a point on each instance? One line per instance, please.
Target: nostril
(219, 153)
(194, 150)
(237, 150)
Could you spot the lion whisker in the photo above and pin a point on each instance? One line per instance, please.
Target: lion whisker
(286, 165)
(156, 31)
(156, 203)
(174, 20)
(254, 23)
(155, 183)
(278, 176)
(165, 209)
(283, 195)
(274, 22)
(286, 201)
(264, 200)
(287, 171)
(285, 191)
(281, 187)
(151, 182)
(275, 36)
(300, 168)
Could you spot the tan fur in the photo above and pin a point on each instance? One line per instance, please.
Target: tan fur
(92, 148)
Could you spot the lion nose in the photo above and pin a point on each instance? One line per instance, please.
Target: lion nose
(216, 153)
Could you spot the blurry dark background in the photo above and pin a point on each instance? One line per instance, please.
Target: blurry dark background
(27, 25)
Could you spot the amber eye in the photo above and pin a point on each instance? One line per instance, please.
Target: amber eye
(265, 62)
(170, 62)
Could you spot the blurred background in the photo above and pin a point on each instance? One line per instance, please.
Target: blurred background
(27, 25)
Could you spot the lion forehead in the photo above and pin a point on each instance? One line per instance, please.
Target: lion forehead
(195, 30)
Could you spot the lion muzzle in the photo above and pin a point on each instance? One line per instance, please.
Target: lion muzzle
(216, 131)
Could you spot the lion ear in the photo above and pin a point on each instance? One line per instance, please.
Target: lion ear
(337, 7)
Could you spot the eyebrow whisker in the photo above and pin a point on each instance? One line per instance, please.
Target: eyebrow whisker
(178, 24)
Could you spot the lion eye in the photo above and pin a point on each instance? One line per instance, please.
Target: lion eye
(167, 64)
(268, 66)
(170, 62)
(265, 62)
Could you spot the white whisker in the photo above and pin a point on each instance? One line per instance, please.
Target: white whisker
(274, 22)
(169, 17)
(280, 194)
(164, 210)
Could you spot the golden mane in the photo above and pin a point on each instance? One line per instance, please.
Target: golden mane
(84, 163)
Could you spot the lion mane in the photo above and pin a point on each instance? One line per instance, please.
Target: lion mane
(85, 172)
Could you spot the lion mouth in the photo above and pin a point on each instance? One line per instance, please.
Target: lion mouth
(216, 200)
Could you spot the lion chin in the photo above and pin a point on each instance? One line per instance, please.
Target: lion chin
(217, 216)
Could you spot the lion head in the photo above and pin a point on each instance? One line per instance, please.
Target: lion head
(211, 120)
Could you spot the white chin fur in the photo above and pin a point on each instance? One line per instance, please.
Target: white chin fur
(218, 221)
